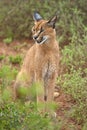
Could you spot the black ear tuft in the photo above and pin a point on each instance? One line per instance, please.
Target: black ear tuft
(52, 21)
(37, 16)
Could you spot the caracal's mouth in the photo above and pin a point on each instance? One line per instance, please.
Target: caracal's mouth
(42, 40)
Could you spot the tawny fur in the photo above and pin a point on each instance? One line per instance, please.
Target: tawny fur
(41, 63)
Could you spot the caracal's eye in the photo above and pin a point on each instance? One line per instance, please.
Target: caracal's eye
(33, 29)
(41, 29)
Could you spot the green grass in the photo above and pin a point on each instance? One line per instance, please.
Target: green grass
(15, 59)
(73, 80)
(15, 116)
(7, 40)
(7, 75)
(2, 57)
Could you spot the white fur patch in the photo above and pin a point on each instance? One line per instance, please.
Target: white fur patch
(44, 40)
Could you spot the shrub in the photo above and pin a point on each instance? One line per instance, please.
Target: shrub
(7, 74)
(16, 17)
(74, 56)
(2, 57)
(15, 59)
(73, 79)
(7, 40)
(75, 85)
(15, 116)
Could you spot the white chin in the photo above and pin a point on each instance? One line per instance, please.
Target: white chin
(44, 40)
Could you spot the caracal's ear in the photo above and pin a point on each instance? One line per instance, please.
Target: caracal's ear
(52, 21)
(36, 17)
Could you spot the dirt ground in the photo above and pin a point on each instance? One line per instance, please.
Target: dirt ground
(63, 101)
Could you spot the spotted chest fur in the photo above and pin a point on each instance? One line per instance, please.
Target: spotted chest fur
(48, 70)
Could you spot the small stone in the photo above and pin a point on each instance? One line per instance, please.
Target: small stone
(56, 94)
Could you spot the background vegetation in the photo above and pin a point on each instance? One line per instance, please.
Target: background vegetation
(16, 22)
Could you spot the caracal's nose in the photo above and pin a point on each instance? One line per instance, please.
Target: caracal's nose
(35, 37)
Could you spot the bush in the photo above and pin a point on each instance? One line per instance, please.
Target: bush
(74, 56)
(7, 40)
(15, 116)
(16, 17)
(73, 84)
(15, 59)
(2, 57)
(73, 79)
(7, 74)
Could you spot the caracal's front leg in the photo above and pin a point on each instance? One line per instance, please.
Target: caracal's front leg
(40, 93)
(50, 94)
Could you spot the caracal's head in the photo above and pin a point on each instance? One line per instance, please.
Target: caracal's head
(43, 30)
